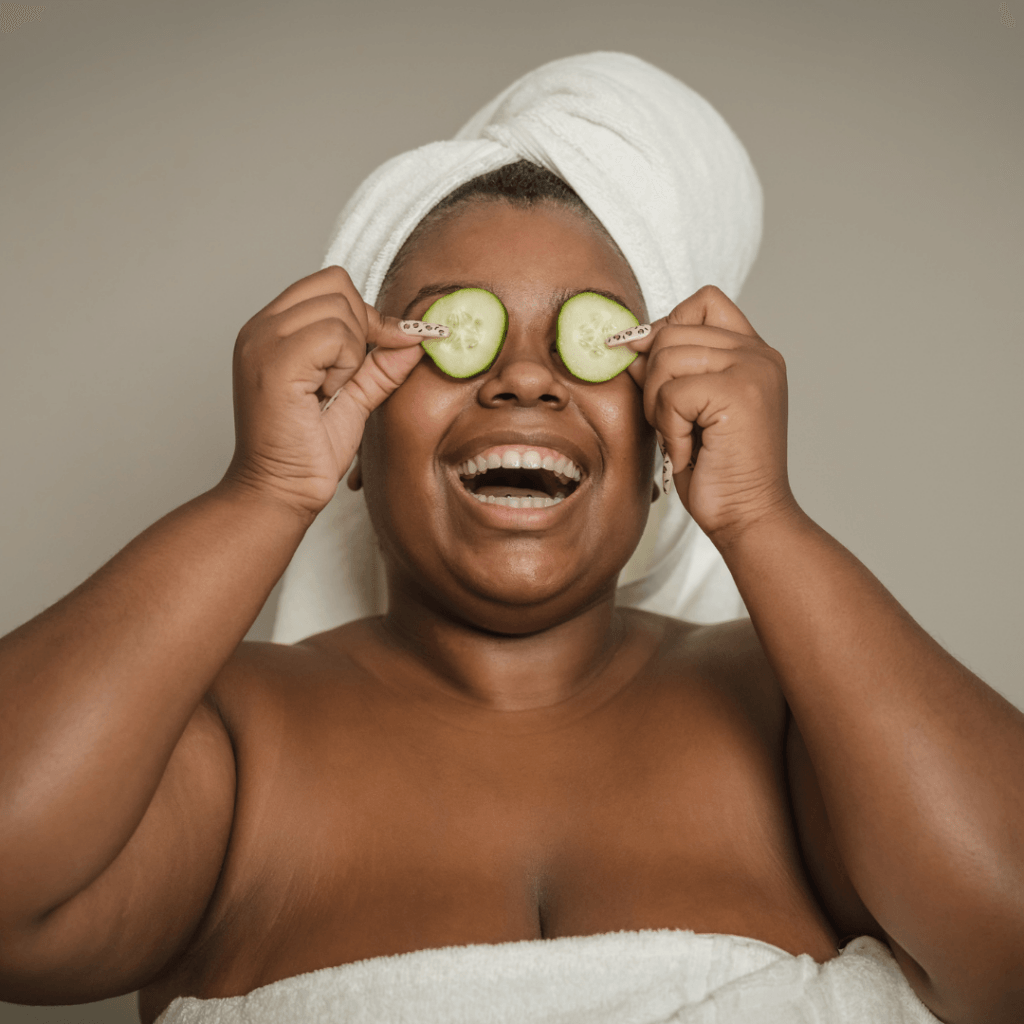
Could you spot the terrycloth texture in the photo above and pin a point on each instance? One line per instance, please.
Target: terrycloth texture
(647, 977)
(675, 188)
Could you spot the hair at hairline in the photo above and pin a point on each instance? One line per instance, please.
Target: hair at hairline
(521, 184)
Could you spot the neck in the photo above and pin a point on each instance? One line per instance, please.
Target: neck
(500, 672)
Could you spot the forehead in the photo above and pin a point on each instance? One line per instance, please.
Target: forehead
(529, 257)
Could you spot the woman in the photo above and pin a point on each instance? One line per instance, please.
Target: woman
(506, 755)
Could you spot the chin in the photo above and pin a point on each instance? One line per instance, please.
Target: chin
(516, 599)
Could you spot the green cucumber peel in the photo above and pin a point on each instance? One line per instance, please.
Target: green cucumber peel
(478, 321)
(585, 322)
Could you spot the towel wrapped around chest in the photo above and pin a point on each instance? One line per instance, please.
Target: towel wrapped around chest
(667, 976)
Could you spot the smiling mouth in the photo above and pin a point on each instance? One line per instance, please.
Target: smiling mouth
(516, 476)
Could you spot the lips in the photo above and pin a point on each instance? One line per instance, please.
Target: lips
(520, 476)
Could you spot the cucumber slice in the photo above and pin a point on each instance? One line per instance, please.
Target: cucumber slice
(479, 323)
(584, 322)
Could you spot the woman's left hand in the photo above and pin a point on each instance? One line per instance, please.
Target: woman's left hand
(704, 366)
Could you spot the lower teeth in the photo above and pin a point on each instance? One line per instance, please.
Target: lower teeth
(509, 501)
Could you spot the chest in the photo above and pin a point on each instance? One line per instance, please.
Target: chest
(385, 834)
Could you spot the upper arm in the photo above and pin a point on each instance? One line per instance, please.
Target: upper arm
(128, 924)
(749, 666)
(850, 917)
(836, 892)
(744, 665)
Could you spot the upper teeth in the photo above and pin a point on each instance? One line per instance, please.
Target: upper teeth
(512, 458)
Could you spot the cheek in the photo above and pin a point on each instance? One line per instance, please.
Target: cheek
(403, 433)
(616, 410)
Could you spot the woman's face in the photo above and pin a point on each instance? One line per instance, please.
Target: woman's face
(506, 569)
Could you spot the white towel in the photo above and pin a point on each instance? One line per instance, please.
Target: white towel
(675, 188)
(666, 976)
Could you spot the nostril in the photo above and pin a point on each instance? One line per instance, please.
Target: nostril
(511, 396)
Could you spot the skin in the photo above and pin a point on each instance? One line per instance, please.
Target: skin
(548, 568)
(504, 755)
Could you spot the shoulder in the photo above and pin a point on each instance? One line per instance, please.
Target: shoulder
(723, 648)
(725, 657)
(275, 704)
(264, 679)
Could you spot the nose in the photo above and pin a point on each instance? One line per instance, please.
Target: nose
(525, 379)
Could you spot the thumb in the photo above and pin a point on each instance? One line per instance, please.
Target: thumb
(393, 349)
(389, 334)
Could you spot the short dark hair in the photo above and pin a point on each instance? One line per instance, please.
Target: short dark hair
(523, 184)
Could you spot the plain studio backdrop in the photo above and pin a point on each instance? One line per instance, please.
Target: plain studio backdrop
(169, 168)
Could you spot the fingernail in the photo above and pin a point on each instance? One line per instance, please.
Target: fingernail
(666, 465)
(625, 337)
(420, 329)
(328, 402)
(666, 473)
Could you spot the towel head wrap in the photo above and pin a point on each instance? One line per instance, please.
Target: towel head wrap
(674, 188)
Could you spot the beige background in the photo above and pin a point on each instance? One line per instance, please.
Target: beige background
(169, 168)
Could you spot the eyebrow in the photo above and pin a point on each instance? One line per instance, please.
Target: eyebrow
(564, 296)
(453, 286)
(434, 289)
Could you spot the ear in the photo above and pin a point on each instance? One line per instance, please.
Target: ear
(355, 476)
(655, 491)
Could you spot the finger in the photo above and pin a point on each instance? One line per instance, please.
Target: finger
(391, 332)
(332, 279)
(350, 356)
(636, 338)
(641, 345)
(318, 308)
(638, 370)
(359, 324)
(335, 331)
(664, 335)
(670, 335)
(672, 473)
(710, 305)
(678, 361)
(381, 372)
(683, 408)
(321, 356)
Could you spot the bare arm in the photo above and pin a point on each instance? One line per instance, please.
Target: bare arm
(116, 782)
(101, 879)
(920, 764)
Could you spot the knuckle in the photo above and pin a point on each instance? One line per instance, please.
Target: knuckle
(334, 329)
(667, 350)
(334, 272)
(751, 392)
(344, 309)
(253, 329)
(248, 345)
(663, 401)
(655, 361)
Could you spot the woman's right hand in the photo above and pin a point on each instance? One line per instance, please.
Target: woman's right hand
(310, 343)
